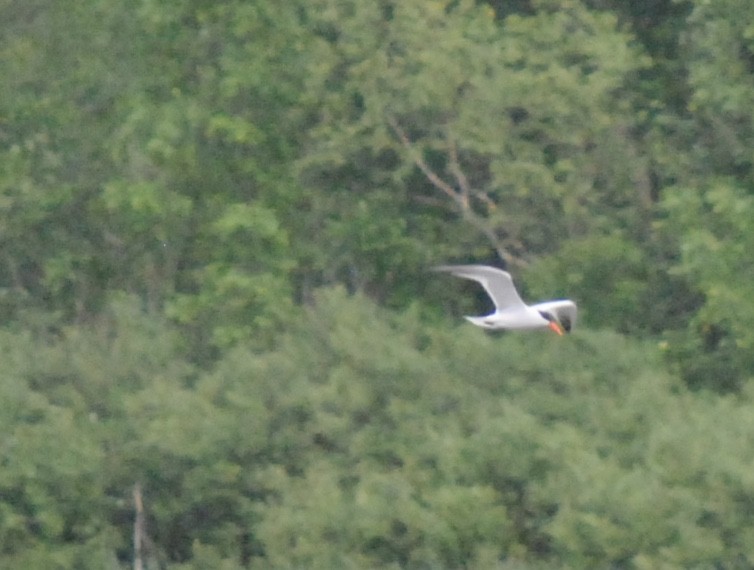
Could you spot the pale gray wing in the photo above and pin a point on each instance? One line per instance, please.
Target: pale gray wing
(496, 282)
(564, 310)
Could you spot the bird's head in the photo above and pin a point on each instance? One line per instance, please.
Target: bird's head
(555, 325)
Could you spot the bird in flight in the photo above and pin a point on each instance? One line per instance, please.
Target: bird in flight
(510, 311)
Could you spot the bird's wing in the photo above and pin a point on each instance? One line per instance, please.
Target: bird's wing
(496, 282)
(563, 310)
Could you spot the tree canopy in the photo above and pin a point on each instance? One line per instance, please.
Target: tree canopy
(222, 344)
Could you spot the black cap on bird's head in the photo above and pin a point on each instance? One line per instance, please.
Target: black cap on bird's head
(554, 325)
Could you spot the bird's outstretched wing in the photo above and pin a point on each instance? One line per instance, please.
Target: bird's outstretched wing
(496, 282)
(563, 310)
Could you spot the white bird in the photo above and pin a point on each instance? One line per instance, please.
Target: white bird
(510, 311)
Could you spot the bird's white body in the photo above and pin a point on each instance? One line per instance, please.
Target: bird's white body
(510, 311)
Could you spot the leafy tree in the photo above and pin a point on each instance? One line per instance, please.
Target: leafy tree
(719, 57)
(715, 223)
(449, 132)
(211, 153)
(180, 180)
(707, 198)
(140, 151)
(366, 438)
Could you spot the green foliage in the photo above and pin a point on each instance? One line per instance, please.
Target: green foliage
(366, 439)
(720, 45)
(708, 197)
(127, 173)
(215, 224)
(515, 121)
(588, 268)
(237, 301)
(716, 229)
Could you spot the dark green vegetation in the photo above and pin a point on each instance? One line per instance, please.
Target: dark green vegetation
(216, 220)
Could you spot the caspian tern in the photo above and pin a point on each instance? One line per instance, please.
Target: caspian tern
(510, 311)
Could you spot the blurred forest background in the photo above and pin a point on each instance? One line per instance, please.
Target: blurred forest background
(221, 347)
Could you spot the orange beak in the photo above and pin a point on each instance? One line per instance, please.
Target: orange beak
(555, 327)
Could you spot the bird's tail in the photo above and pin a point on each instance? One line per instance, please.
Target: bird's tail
(483, 322)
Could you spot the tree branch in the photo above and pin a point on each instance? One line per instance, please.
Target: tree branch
(459, 197)
(436, 181)
(463, 183)
(139, 528)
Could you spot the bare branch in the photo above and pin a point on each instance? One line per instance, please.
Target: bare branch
(139, 530)
(463, 183)
(436, 181)
(455, 168)
(461, 196)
